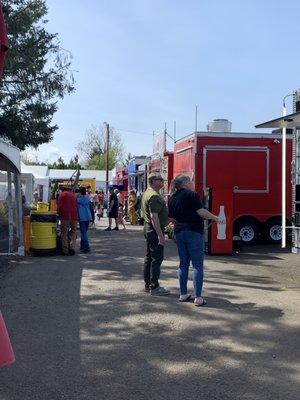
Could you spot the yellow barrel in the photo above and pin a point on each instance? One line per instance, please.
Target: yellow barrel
(43, 231)
(42, 207)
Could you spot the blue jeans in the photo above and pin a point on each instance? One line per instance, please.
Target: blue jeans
(190, 248)
(84, 242)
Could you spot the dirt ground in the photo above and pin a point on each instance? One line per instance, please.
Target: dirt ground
(82, 327)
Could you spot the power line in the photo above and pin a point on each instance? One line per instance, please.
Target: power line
(137, 132)
(146, 133)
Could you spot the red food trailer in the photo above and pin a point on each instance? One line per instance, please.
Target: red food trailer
(239, 177)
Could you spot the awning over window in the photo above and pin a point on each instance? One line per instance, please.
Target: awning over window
(288, 121)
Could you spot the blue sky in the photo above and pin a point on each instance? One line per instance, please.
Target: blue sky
(142, 63)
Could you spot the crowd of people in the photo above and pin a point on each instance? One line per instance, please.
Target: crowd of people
(184, 212)
(84, 207)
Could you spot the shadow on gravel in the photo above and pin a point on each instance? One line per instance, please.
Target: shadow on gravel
(124, 344)
(41, 305)
(157, 348)
(140, 353)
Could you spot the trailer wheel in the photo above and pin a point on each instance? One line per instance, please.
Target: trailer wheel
(273, 230)
(248, 231)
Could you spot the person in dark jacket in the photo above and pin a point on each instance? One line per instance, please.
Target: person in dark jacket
(188, 213)
(68, 215)
(92, 210)
(112, 211)
(84, 213)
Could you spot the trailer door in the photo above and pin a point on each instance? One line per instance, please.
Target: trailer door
(226, 171)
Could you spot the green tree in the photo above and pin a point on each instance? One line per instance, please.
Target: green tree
(99, 161)
(93, 148)
(59, 164)
(74, 163)
(37, 73)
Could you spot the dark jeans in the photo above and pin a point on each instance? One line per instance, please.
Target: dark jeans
(153, 259)
(84, 242)
(190, 248)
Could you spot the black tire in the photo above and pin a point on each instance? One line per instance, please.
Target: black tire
(248, 230)
(273, 230)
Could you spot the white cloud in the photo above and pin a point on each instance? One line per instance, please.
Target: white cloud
(47, 153)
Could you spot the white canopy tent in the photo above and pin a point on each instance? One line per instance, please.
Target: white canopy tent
(27, 181)
(41, 178)
(291, 121)
(11, 215)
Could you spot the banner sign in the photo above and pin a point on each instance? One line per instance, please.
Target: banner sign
(159, 143)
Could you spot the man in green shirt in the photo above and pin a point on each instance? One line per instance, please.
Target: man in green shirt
(156, 218)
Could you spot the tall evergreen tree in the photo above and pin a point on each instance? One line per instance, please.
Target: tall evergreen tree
(37, 73)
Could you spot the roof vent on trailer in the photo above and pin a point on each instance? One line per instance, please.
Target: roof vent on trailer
(219, 125)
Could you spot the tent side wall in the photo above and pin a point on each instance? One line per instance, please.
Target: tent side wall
(11, 215)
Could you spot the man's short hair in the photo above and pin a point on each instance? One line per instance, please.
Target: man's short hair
(82, 190)
(152, 177)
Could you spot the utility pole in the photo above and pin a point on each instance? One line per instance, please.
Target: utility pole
(153, 138)
(196, 119)
(107, 156)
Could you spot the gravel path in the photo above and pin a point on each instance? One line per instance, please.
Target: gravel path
(82, 328)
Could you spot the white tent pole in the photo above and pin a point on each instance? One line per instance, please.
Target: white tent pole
(283, 183)
(10, 214)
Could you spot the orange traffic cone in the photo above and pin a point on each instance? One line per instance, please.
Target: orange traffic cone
(7, 356)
